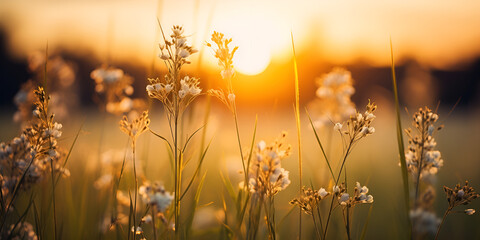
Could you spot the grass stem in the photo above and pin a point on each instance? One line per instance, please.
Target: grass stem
(443, 220)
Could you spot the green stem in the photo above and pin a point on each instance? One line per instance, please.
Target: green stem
(320, 219)
(240, 144)
(336, 182)
(419, 168)
(348, 223)
(53, 200)
(254, 217)
(316, 227)
(177, 200)
(272, 218)
(135, 185)
(443, 220)
(153, 223)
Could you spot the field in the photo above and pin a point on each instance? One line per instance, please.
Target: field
(208, 142)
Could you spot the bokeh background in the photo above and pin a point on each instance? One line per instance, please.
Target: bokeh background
(437, 54)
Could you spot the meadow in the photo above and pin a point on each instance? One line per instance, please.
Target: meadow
(173, 156)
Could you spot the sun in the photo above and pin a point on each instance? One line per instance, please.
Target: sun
(252, 58)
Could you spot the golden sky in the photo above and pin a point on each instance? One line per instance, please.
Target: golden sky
(437, 33)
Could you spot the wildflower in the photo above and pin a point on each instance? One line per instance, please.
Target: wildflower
(35, 152)
(138, 230)
(155, 195)
(337, 127)
(266, 176)
(189, 86)
(343, 199)
(460, 195)
(310, 199)
(322, 193)
(24, 231)
(171, 90)
(424, 221)
(359, 125)
(115, 87)
(421, 157)
(225, 59)
(136, 127)
(336, 189)
(469, 211)
(360, 195)
(147, 218)
(223, 53)
(333, 98)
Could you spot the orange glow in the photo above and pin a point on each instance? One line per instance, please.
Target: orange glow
(440, 34)
(437, 33)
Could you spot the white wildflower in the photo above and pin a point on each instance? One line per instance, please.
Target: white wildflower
(322, 193)
(469, 211)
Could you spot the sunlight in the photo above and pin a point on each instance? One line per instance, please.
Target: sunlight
(252, 58)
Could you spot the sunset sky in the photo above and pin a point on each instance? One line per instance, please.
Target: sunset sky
(436, 33)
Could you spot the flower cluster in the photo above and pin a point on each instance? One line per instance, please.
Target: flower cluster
(421, 157)
(24, 100)
(223, 54)
(359, 196)
(266, 175)
(225, 60)
(333, 98)
(116, 88)
(136, 127)
(424, 221)
(155, 195)
(310, 199)
(61, 77)
(157, 89)
(23, 231)
(189, 86)
(34, 152)
(461, 195)
(359, 125)
(176, 51)
(174, 93)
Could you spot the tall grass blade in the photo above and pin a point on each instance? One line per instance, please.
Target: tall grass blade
(70, 150)
(194, 207)
(228, 185)
(365, 226)
(45, 73)
(321, 146)
(53, 201)
(190, 137)
(130, 216)
(163, 138)
(252, 144)
(226, 231)
(196, 170)
(37, 221)
(299, 134)
(401, 147)
(243, 209)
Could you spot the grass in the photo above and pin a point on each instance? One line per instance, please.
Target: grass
(401, 147)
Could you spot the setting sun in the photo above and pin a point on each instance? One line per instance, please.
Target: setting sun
(252, 58)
